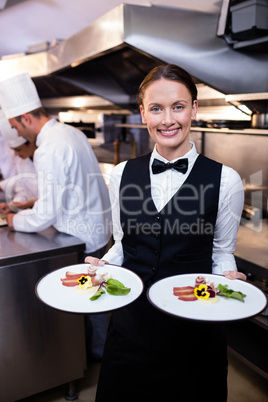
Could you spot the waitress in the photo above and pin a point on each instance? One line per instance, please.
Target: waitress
(174, 212)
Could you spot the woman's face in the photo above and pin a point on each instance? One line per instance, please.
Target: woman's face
(168, 111)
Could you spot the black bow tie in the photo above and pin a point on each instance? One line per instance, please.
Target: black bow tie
(180, 165)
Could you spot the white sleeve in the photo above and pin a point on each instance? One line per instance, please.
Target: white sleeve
(115, 253)
(13, 189)
(231, 201)
(20, 188)
(49, 169)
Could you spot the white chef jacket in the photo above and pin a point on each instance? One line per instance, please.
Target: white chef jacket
(22, 186)
(73, 196)
(164, 186)
(8, 159)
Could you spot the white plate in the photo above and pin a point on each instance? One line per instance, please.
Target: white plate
(160, 294)
(50, 290)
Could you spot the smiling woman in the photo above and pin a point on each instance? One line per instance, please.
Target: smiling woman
(168, 118)
(163, 205)
(169, 121)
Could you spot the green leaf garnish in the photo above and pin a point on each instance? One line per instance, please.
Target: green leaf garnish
(97, 294)
(113, 287)
(233, 294)
(116, 288)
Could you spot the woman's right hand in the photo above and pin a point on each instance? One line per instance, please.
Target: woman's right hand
(95, 261)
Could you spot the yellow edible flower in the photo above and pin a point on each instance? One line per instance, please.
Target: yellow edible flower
(201, 292)
(84, 282)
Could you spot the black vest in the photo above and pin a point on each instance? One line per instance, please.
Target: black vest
(179, 238)
(176, 240)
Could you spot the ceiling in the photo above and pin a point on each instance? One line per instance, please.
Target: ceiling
(79, 52)
(27, 23)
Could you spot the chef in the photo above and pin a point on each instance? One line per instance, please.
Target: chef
(72, 194)
(21, 186)
(8, 159)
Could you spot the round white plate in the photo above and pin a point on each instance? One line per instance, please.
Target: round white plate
(160, 294)
(50, 290)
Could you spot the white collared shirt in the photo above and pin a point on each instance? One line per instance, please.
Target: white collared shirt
(164, 186)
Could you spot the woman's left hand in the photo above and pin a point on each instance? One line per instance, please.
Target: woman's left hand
(235, 275)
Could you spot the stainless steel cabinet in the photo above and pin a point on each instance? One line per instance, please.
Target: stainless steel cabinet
(40, 347)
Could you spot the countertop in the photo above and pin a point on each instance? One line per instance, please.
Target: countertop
(36, 339)
(20, 247)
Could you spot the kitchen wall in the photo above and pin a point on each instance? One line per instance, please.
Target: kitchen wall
(248, 155)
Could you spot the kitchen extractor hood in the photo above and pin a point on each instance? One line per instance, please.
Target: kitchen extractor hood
(109, 58)
(244, 24)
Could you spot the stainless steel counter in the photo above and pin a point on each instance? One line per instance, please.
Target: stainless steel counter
(40, 347)
(19, 247)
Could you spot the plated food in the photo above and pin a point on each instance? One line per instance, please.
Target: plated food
(93, 281)
(206, 291)
(57, 289)
(161, 296)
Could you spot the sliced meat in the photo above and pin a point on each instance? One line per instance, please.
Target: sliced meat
(190, 297)
(74, 275)
(200, 280)
(69, 282)
(184, 290)
(92, 270)
(94, 280)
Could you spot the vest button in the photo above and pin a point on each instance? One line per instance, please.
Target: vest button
(153, 269)
(155, 252)
(157, 218)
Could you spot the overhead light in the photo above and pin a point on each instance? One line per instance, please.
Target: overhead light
(77, 63)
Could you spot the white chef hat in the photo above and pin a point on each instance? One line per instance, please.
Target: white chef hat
(18, 95)
(9, 134)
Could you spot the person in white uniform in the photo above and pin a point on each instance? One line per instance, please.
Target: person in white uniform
(8, 159)
(72, 194)
(22, 186)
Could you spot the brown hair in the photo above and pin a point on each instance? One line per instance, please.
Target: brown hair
(170, 72)
(38, 113)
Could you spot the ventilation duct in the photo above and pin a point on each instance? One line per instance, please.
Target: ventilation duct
(110, 57)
